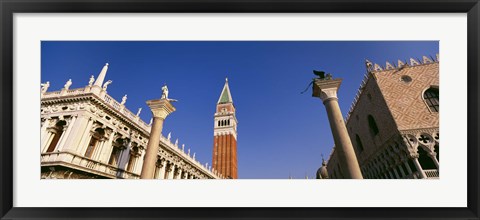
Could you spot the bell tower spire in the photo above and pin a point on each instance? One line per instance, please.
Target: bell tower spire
(224, 158)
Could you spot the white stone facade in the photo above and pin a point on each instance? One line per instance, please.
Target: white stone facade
(85, 133)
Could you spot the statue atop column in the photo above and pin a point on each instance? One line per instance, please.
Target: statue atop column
(164, 92)
(322, 76)
(183, 147)
(45, 86)
(67, 84)
(124, 100)
(169, 136)
(176, 142)
(91, 81)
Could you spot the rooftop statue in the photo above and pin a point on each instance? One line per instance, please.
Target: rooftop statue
(90, 82)
(106, 84)
(67, 84)
(45, 86)
(138, 112)
(124, 99)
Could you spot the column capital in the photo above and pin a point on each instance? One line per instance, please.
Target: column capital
(326, 89)
(160, 108)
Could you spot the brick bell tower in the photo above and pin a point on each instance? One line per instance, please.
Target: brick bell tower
(225, 136)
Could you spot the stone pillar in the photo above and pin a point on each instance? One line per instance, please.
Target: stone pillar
(107, 149)
(85, 138)
(171, 170)
(66, 134)
(396, 173)
(160, 109)
(47, 142)
(408, 167)
(419, 168)
(401, 170)
(163, 167)
(326, 89)
(433, 156)
(43, 129)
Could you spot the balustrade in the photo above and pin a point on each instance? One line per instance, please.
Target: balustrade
(89, 164)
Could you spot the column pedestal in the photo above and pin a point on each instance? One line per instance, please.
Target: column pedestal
(160, 109)
(327, 91)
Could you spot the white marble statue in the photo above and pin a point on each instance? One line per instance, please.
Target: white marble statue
(188, 152)
(183, 147)
(124, 100)
(67, 84)
(45, 86)
(90, 82)
(176, 142)
(193, 155)
(138, 112)
(169, 136)
(164, 92)
(106, 84)
(151, 121)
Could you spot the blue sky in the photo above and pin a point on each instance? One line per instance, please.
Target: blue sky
(280, 132)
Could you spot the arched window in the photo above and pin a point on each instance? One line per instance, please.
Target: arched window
(218, 123)
(228, 122)
(372, 125)
(359, 143)
(431, 98)
(94, 141)
(57, 131)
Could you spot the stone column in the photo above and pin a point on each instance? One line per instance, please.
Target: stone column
(47, 142)
(160, 109)
(163, 167)
(108, 148)
(419, 168)
(401, 170)
(433, 156)
(396, 173)
(171, 170)
(85, 138)
(66, 134)
(43, 129)
(408, 167)
(326, 89)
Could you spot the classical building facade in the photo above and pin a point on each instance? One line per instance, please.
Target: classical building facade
(85, 133)
(393, 122)
(224, 157)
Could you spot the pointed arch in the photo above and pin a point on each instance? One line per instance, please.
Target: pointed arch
(372, 124)
(359, 143)
(431, 97)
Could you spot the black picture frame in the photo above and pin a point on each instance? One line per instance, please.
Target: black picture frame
(9, 7)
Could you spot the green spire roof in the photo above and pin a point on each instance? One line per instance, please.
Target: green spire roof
(225, 97)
